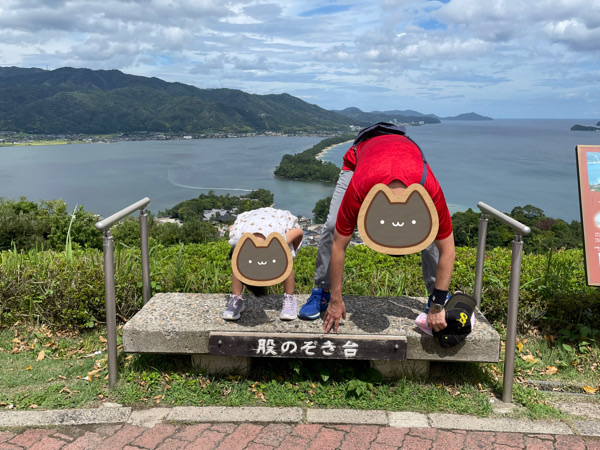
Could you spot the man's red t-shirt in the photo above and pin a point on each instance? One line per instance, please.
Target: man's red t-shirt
(383, 159)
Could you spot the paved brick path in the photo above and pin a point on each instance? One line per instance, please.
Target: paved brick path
(280, 436)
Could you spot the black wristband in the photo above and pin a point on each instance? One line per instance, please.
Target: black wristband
(438, 296)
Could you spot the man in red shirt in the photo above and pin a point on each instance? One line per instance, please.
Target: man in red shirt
(396, 161)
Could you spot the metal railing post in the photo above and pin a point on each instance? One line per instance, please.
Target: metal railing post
(513, 291)
(109, 279)
(145, 258)
(511, 320)
(481, 240)
(111, 308)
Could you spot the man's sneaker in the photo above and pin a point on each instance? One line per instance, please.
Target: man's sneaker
(290, 308)
(315, 305)
(234, 308)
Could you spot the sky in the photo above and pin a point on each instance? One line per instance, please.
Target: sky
(499, 58)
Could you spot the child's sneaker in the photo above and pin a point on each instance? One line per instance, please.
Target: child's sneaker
(234, 308)
(290, 308)
(315, 305)
(421, 322)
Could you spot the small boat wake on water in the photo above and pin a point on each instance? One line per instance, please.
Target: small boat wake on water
(179, 172)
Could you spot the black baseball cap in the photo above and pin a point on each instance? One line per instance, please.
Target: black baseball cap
(459, 309)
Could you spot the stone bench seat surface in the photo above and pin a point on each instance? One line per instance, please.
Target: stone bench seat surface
(181, 323)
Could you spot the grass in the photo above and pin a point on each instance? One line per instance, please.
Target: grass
(42, 369)
(148, 380)
(541, 359)
(66, 289)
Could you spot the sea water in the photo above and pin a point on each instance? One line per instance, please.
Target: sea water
(504, 163)
(105, 178)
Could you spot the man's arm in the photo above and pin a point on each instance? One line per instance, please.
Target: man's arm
(446, 249)
(445, 263)
(336, 309)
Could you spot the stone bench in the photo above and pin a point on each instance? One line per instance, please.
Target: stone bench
(378, 329)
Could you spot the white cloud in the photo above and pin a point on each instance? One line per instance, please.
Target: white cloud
(440, 56)
(575, 34)
(504, 20)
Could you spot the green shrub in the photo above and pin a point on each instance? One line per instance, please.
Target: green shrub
(28, 225)
(46, 286)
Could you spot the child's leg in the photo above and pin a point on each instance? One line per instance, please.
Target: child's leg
(289, 284)
(294, 239)
(235, 306)
(236, 285)
(289, 310)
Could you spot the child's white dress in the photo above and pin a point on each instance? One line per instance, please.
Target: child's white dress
(264, 221)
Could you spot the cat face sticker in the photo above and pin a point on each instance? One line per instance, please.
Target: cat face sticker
(262, 263)
(398, 225)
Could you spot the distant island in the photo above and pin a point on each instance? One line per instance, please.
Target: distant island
(468, 116)
(586, 127)
(78, 105)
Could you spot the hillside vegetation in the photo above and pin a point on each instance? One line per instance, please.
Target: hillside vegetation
(51, 263)
(67, 291)
(70, 101)
(408, 116)
(306, 165)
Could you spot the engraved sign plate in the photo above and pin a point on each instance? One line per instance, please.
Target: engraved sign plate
(298, 345)
(588, 170)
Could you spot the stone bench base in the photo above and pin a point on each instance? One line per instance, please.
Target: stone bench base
(222, 365)
(181, 324)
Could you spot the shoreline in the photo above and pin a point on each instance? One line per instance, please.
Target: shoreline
(6, 141)
(326, 149)
(36, 143)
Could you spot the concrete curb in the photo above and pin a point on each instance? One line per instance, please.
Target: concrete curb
(346, 416)
(470, 423)
(64, 417)
(232, 414)
(587, 428)
(150, 417)
(408, 420)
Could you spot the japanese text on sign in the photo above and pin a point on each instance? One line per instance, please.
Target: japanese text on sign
(270, 347)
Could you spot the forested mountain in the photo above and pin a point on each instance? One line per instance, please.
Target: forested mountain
(408, 116)
(68, 100)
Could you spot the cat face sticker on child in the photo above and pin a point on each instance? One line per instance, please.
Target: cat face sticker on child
(398, 225)
(262, 263)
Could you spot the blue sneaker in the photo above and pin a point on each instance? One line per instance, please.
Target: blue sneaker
(315, 305)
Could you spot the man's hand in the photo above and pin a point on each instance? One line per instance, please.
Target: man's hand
(437, 321)
(335, 311)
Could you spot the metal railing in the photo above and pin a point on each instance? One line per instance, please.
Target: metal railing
(109, 277)
(513, 291)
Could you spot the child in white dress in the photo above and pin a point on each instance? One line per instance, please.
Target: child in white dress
(262, 222)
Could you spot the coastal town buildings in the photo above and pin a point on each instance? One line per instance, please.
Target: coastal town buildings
(222, 218)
